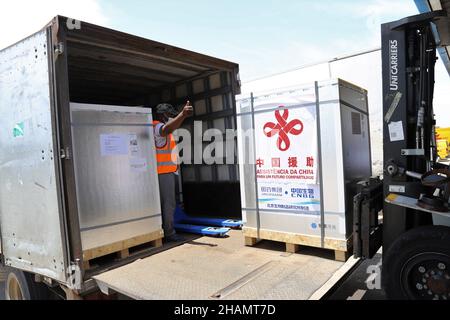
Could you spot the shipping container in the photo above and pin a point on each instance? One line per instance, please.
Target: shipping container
(58, 89)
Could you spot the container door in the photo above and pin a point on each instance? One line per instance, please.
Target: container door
(31, 223)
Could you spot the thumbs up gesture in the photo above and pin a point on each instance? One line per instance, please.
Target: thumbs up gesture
(188, 110)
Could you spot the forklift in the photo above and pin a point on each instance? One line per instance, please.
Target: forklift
(413, 194)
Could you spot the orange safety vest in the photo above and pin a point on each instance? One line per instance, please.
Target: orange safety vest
(164, 155)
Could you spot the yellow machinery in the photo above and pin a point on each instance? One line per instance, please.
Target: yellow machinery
(443, 142)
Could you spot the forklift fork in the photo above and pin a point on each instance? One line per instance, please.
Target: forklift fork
(367, 229)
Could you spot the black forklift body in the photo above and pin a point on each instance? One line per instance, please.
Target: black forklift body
(409, 57)
(408, 62)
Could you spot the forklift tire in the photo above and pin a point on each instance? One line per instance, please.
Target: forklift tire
(20, 285)
(417, 266)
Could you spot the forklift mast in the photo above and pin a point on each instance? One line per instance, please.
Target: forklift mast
(408, 62)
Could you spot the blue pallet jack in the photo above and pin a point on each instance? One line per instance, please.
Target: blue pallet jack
(202, 230)
(204, 226)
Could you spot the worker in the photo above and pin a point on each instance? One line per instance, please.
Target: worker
(166, 121)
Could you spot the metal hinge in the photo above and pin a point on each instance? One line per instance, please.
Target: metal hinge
(59, 48)
(65, 154)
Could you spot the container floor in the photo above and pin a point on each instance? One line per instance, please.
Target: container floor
(213, 268)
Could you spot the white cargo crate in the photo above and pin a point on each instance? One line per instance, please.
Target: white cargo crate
(299, 150)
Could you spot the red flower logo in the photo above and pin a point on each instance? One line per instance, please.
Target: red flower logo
(283, 128)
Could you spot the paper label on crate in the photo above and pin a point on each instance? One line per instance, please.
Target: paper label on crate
(113, 145)
(396, 131)
(138, 165)
(286, 158)
(134, 145)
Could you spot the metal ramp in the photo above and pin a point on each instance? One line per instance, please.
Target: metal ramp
(222, 268)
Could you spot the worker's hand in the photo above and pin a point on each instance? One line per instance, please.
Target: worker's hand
(188, 110)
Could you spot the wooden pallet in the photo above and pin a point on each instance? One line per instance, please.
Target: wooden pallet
(122, 248)
(294, 241)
